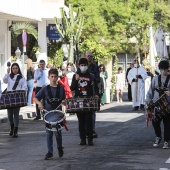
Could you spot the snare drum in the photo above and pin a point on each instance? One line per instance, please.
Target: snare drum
(12, 99)
(162, 108)
(81, 104)
(54, 120)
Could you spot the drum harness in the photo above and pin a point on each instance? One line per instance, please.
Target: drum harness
(53, 102)
(15, 84)
(161, 94)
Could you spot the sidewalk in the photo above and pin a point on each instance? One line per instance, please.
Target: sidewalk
(25, 113)
(30, 111)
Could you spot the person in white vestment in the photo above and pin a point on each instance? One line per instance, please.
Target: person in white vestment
(136, 78)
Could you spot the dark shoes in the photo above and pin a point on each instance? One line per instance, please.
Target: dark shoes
(48, 156)
(82, 142)
(15, 135)
(90, 142)
(135, 108)
(95, 134)
(12, 130)
(37, 118)
(60, 152)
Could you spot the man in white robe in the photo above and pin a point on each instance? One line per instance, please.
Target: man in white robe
(136, 78)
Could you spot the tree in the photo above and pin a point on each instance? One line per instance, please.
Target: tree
(70, 29)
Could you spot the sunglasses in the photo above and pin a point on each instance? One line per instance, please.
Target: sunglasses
(89, 55)
(101, 67)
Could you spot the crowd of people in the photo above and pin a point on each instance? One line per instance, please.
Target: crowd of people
(54, 85)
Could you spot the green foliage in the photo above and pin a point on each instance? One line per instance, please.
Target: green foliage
(70, 28)
(55, 52)
(18, 28)
(110, 22)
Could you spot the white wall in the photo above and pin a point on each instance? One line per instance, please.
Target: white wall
(23, 8)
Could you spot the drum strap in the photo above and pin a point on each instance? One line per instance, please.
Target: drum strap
(51, 101)
(16, 82)
(165, 85)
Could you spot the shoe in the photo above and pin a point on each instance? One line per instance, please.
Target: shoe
(37, 118)
(48, 156)
(60, 152)
(90, 142)
(135, 109)
(166, 145)
(157, 141)
(12, 130)
(142, 108)
(121, 101)
(15, 135)
(82, 142)
(95, 135)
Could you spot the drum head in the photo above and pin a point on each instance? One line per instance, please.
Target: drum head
(54, 117)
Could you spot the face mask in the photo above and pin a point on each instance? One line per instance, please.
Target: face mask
(163, 72)
(83, 68)
(59, 73)
(69, 69)
(135, 65)
(72, 69)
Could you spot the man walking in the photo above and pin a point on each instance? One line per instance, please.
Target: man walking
(136, 78)
(41, 76)
(93, 69)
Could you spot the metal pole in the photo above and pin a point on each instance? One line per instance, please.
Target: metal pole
(23, 67)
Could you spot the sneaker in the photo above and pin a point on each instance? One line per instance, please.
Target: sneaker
(60, 152)
(48, 156)
(82, 142)
(95, 135)
(157, 141)
(166, 145)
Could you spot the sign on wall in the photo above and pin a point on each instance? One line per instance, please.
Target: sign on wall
(52, 33)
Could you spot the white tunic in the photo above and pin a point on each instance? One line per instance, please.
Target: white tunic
(138, 88)
(119, 81)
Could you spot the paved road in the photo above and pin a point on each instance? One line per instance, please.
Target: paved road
(124, 143)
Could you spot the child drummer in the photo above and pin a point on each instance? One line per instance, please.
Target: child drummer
(83, 85)
(58, 94)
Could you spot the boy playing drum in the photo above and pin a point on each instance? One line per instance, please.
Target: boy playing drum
(84, 85)
(58, 94)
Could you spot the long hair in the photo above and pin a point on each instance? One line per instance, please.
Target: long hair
(19, 70)
(102, 65)
(29, 63)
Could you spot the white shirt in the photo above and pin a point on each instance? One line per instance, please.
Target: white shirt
(22, 85)
(41, 77)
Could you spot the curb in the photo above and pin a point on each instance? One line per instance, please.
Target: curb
(21, 116)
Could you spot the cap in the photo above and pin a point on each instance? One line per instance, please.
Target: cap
(83, 61)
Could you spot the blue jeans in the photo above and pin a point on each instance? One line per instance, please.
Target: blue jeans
(49, 136)
(30, 84)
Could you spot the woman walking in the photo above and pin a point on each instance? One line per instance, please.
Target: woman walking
(15, 81)
(104, 75)
(30, 80)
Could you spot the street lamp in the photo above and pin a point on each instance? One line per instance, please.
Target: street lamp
(18, 53)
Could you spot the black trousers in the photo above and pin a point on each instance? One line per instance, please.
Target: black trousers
(129, 92)
(166, 124)
(37, 89)
(85, 125)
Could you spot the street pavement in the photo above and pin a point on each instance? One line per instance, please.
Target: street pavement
(123, 143)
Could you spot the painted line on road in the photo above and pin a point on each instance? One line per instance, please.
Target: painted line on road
(163, 169)
(168, 161)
